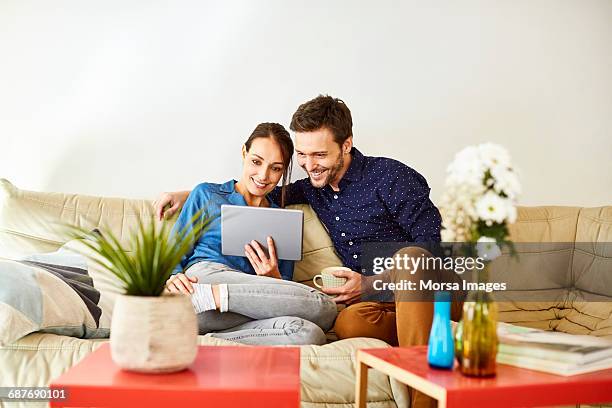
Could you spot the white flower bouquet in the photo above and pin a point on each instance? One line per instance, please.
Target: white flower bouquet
(480, 197)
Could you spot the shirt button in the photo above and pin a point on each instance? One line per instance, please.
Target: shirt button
(335, 196)
(337, 218)
(355, 256)
(343, 234)
(350, 242)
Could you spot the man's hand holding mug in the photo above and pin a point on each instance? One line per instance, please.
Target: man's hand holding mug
(341, 283)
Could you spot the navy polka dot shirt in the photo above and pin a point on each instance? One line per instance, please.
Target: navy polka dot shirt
(380, 200)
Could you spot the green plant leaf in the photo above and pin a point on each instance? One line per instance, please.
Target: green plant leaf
(156, 252)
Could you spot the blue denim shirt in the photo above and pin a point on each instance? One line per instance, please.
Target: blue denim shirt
(208, 248)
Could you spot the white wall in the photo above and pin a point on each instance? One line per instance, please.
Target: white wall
(130, 98)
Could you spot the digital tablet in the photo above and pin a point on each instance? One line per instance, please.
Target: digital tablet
(240, 225)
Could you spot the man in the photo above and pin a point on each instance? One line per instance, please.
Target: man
(359, 199)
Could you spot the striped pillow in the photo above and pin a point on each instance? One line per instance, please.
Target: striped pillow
(52, 293)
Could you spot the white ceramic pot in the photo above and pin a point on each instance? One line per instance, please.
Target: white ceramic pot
(154, 334)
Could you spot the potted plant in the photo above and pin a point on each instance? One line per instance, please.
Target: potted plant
(151, 330)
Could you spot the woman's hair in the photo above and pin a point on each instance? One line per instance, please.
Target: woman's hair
(282, 137)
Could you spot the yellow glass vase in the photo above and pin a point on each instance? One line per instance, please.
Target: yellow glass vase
(478, 334)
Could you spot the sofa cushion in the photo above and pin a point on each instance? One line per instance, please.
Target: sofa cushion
(538, 315)
(593, 318)
(318, 249)
(594, 225)
(55, 298)
(30, 222)
(545, 224)
(327, 372)
(592, 258)
(576, 248)
(555, 228)
(591, 297)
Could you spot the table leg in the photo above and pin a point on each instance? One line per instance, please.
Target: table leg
(361, 385)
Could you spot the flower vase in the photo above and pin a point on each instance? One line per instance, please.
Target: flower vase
(478, 333)
(441, 352)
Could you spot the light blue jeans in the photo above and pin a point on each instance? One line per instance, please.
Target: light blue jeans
(264, 310)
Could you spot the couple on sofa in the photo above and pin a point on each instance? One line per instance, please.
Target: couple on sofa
(358, 198)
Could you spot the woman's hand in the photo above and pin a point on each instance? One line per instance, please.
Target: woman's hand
(180, 283)
(263, 265)
(174, 200)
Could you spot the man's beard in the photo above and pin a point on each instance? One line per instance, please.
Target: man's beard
(331, 174)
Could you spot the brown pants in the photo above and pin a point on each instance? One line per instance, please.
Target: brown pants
(403, 323)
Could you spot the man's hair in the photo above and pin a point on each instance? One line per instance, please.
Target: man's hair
(324, 111)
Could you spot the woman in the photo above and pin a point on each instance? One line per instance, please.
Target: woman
(249, 299)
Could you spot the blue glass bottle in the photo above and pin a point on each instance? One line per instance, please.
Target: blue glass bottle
(441, 351)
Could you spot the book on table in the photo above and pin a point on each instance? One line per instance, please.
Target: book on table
(552, 352)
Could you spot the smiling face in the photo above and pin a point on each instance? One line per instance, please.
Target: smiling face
(262, 166)
(321, 157)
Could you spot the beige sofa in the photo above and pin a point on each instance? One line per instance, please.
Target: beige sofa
(327, 372)
(28, 224)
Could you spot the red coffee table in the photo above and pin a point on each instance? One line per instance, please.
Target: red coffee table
(220, 376)
(511, 387)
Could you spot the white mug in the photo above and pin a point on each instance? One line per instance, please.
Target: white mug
(328, 280)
